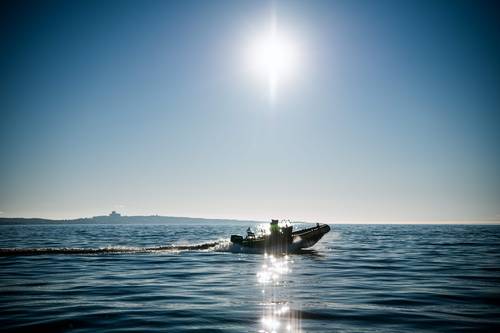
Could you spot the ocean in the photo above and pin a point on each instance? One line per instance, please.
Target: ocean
(186, 277)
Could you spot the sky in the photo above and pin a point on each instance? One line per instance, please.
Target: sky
(391, 112)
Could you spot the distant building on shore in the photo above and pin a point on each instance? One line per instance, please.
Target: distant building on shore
(114, 214)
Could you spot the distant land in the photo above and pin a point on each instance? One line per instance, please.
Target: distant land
(116, 218)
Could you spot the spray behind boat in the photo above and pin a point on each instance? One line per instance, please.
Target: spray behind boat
(282, 239)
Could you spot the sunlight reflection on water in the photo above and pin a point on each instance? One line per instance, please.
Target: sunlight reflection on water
(274, 280)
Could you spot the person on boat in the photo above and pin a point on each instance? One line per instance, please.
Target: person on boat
(275, 228)
(287, 233)
(250, 233)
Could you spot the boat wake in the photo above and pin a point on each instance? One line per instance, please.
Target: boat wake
(216, 246)
(6, 252)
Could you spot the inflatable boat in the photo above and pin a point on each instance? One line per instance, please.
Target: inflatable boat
(283, 240)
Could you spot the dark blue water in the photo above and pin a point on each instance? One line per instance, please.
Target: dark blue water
(358, 278)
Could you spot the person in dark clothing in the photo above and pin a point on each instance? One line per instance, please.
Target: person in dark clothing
(250, 233)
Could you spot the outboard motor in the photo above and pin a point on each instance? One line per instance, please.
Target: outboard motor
(236, 239)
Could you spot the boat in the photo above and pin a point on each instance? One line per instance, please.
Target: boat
(282, 240)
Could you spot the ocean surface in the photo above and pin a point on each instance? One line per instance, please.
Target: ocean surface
(186, 277)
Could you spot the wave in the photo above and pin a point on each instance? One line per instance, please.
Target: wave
(6, 252)
(216, 246)
(222, 245)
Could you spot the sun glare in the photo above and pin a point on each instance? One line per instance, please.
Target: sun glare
(273, 58)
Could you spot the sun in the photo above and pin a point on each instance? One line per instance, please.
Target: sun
(272, 57)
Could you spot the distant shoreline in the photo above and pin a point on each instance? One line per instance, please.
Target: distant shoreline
(157, 219)
(117, 219)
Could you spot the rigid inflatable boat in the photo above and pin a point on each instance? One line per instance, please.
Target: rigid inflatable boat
(282, 240)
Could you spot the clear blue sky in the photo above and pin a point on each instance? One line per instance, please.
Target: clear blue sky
(143, 107)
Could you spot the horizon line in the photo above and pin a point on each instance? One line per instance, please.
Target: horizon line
(378, 221)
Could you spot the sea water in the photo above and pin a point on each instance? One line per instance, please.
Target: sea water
(157, 278)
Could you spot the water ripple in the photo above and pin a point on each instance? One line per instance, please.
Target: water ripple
(368, 278)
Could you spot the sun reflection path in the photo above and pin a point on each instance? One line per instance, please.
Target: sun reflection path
(273, 278)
